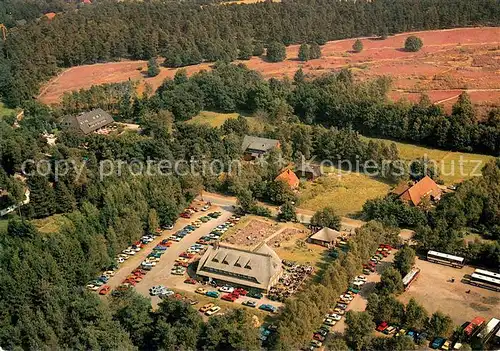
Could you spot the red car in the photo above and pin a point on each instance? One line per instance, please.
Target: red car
(185, 215)
(240, 291)
(139, 272)
(166, 243)
(104, 290)
(182, 264)
(190, 281)
(318, 337)
(229, 297)
(186, 255)
(130, 281)
(382, 326)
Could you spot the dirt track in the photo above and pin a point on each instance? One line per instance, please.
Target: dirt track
(451, 61)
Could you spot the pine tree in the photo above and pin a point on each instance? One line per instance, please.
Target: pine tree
(413, 43)
(315, 51)
(153, 67)
(276, 52)
(304, 52)
(357, 46)
(65, 201)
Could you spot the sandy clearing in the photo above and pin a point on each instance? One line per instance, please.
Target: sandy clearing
(451, 60)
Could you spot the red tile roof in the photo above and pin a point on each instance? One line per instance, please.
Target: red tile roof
(50, 15)
(426, 187)
(289, 177)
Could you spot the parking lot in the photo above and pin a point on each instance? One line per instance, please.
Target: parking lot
(161, 273)
(360, 300)
(434, 291)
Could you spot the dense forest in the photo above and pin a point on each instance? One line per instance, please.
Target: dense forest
(43, 304)
(188, 33)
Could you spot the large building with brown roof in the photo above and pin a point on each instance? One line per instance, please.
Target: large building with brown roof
(289, 177)
(415, 193)
(258, 269)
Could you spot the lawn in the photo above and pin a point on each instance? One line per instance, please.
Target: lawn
(216, 119)
(50, 224)
(3, 225)
(346, 192)
(449, 162)
(5, 111)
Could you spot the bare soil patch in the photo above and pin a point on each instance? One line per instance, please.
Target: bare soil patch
(433, 290)
(251, 232)
(451, 61)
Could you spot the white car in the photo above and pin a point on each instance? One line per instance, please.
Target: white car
(148, 264)
(92, 287)
(166, 293)
(360, 278)
(169, 227)
(120, 260)
(213, 311)
(129, 252)
(109, 273)
(334, 316)
(226, 289)
(346, 297)
(125, 257)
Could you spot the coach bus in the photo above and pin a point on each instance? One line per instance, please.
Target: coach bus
(487, 273)
(482, 281)
(489, 331)
(439, 257)
(411, 277)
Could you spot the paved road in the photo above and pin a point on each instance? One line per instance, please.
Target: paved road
(304, 216)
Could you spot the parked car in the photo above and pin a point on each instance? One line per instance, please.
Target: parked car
(92, 287)
(226, 289)
(249, 303)
(255, 294)
(229, 297)
(213, 311)
(268, 307)
(334, 316)
(181, 259)
(381, 327)
(316, 343)
(390, 330)
(241, 291)
(446, 345)
(400, 332)
(206, 307)
(437, 343)
(339, 311)
(213, 294)
(361, 278)
(330, 322)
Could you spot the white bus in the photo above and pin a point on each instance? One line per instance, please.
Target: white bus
(439, 257)
(490, 330)
(411, 277)
(482, 281)
(487, 273)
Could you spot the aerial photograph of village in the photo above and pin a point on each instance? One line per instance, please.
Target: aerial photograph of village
(250, 175)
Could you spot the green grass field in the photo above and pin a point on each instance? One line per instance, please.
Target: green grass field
(50, 224)
(5, 111)
(346, 192)
(216, 119)
(449, 162)
(3, 225)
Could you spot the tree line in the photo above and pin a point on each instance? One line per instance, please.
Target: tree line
(188, 33)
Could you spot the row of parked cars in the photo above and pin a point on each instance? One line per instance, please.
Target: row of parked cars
(231, 294)
(338, 312)
(217, 232)
(394, 330)
(188, 212)
(383, 250)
